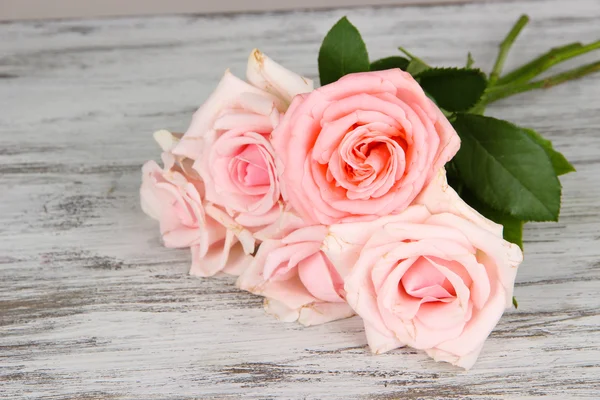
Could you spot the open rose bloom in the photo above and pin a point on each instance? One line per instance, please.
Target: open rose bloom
(295, 276)
(334, 202)
(436, 277)
(362, 147)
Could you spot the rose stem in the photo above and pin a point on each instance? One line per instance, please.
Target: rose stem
(500, 92)
(505, 47)
(411, 56)
(546, 61)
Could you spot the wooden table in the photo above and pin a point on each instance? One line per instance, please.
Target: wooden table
(92, 307)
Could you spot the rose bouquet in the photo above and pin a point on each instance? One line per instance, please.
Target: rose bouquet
(383, 193)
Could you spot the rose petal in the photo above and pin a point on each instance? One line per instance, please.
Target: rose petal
(224, 96)
(466, 361)
(320, 313)
(266, 74)
(320, 278)
(280, 311)
(380, 343)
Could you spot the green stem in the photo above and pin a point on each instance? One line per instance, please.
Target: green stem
(499, 92)
(412, 57)
(416, 65)
(505, 47)
(546, 61)
(479, 108)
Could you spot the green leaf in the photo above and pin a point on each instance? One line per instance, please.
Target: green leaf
(506, 169)
(513, 227)
(416, 66)
(342, 52)
(452, 172)
(389, 63)
(454, 89)
(515, 303)
(560, 164)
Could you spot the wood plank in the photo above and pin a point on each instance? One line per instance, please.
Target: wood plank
(45, 9)
(92, 307)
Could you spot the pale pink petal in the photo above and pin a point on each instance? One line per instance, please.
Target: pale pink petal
(353, 84)
(252, 221)
(480, 286)
(479, 327)
(320, 313)
(260, 104)
(151, 204)
(224, 96)
(381, 343)
(247, 121)
(320, 278)
(252, 280)
(360, 293)
(280, 261)
(315, 233)
(439, 197)
(436, 323)
(243, 235)
(266, 74)
(280, 311)
(343, 243)
(505, 256)
(180, 238)
(166, 140)
(290, 291)
(237, 262)
(463, 293)
(215, 259)
(286, 223)
(466, 361)
(389, 301)
(449, 141)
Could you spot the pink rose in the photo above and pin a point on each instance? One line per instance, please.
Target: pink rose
(176, 201)
(437, 281)
(239, 171)
(297, 279)
(361, 147)
(229, 140)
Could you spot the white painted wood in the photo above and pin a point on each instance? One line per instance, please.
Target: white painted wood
(92, 307)
(44, 9)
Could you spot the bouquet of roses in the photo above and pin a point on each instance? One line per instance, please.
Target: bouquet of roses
(336, 201)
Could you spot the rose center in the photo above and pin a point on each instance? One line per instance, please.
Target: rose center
(250, 168)
(366, 159)
(424, 281)
(370, 160)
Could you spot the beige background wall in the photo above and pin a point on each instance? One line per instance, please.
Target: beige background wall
(36, 9)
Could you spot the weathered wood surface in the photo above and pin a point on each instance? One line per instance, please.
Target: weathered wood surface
(92, 307)
(45, 9)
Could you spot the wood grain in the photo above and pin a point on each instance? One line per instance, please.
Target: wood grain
(92, 307)
(45, 9)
